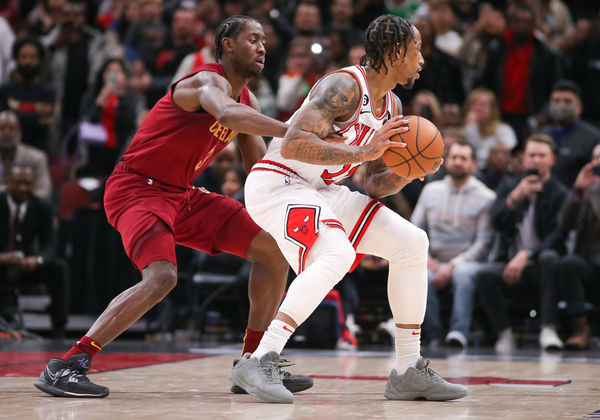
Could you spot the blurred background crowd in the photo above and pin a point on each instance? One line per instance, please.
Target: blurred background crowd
(513, 216)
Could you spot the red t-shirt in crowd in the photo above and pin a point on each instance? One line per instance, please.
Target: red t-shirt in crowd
(174, 146)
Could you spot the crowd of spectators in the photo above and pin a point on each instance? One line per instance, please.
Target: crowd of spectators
(513, 84)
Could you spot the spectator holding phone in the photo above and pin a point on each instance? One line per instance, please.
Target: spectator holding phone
(579, 272)
(524, 217)
(112, 106)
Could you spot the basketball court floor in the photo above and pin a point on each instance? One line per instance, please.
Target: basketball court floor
(179, 381)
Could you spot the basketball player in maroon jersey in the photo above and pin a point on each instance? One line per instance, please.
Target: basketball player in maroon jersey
(150, 200)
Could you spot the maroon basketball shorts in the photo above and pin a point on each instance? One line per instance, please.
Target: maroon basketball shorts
(152, 217)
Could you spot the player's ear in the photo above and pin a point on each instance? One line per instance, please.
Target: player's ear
(228, 44)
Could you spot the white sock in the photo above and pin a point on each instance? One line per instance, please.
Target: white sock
(274, 339)
(408, 348)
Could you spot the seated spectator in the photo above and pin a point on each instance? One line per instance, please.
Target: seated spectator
(455, 213)
(497, 166)
(28, 96)
(15, 153)
(524, 217)
(450, 135)
(483, 127)
(579, 273)
(427, 105)
(27, 248)
(113, 108)
(574, 137)
(451, 116)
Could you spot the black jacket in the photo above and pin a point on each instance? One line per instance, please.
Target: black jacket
(547, 207)
(544, 70)
(37, 229)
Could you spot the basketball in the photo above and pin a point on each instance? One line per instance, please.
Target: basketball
(424, 147)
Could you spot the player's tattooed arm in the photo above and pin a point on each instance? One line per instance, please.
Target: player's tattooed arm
(336, 97)
(380, 181)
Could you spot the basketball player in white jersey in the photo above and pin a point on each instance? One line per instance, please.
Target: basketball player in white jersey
(323, 228)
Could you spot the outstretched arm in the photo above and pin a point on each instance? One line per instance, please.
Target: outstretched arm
(252, 147)
(210, 92)
(336, 97)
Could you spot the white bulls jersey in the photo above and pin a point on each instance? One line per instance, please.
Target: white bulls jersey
(358, 132)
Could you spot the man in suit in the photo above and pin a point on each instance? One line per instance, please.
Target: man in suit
(27, 245)
(14, 152)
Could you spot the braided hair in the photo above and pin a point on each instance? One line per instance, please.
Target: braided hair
(385, 34)
(229, 28)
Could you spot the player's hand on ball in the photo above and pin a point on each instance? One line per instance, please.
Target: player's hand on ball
(381, 140)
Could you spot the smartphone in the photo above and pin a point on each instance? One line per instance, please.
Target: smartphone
(532, 171)
(596, 170)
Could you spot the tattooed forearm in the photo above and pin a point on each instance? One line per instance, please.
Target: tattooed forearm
(335, 98)
(307, 147)
(380, 181)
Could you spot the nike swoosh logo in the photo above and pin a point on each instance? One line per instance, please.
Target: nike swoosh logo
(364, 112)
(52, 377)
(93, 343)
(285, 327)
(416, 333)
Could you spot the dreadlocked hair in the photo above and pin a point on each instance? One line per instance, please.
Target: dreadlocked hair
(385, 35)
(229, 28)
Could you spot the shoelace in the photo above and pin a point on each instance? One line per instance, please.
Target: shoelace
(271, 371)
(70, 372)
(282, 363)
(431, 373)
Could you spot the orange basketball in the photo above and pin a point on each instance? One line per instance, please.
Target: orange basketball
(424, 147)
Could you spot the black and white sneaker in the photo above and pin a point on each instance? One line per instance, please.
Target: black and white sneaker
(68, 379)
(294, 383)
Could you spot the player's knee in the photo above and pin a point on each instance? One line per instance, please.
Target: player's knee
(410, 247)
(340, 258)
(159, 280)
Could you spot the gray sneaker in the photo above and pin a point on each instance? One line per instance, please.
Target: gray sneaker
(260, 378)
(421, 382)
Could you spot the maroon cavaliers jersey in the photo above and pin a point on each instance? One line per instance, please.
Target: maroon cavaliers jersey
(174, 146)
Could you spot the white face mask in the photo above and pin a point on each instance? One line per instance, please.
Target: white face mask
(562, 112)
